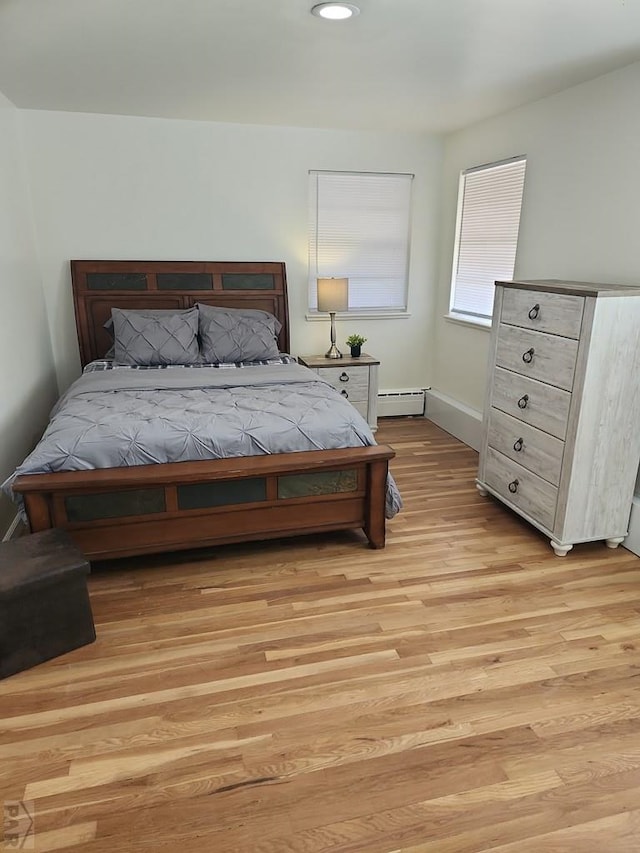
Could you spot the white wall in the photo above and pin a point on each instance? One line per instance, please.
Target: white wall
(27, 380)
(580, 216)
(122, 187)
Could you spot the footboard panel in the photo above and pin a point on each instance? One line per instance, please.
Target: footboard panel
(118, 512)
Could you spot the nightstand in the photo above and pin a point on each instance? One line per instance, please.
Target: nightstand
(355, 378)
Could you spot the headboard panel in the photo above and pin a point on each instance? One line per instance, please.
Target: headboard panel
(99, 286)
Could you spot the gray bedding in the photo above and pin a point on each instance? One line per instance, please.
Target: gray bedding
(118, 418)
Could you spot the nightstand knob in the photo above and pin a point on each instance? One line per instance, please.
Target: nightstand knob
(522, 402)
(527, 356)
(513, 486)
(344, 377)
(518, 445)
(533, 313)
(345, 393)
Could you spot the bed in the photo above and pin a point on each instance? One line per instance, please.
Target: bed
(131, 508)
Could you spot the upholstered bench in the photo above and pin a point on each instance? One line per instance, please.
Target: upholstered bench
(44, 603)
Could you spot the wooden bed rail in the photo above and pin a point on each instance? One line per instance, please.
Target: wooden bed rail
(117, 512)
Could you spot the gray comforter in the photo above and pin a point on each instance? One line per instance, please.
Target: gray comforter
(117, 418)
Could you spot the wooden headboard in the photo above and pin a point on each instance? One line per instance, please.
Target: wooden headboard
(99, 286)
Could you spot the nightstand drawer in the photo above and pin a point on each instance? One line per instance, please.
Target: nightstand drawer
(530, 447)
(533, 402)
(353, 381)
(556, 313)
(530, 493)
(549, 358)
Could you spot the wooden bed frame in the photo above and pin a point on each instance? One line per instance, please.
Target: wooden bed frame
(117, 512)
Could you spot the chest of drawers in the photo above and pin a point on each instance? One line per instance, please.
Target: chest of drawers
(561, 430)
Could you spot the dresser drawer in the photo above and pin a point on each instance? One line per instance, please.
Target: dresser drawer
(535, 450)
(533, 402)
(556, 313)
(519, 487)
(549, 358)
(352, 382)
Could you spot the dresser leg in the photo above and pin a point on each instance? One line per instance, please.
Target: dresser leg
(481, 489)
(613, 543)
(560, 550)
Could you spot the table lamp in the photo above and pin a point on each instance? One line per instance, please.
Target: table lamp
(333, 295)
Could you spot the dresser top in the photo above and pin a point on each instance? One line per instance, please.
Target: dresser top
(575, 288)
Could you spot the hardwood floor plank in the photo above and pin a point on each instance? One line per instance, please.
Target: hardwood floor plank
(615, 834)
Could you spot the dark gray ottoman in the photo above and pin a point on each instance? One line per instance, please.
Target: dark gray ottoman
(44, 604)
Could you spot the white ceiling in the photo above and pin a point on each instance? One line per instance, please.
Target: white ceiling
(414, 65)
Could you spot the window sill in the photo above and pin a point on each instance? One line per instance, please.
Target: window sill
(360, 315)
(465, 320)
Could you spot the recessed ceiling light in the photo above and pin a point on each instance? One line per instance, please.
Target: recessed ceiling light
(335, 11)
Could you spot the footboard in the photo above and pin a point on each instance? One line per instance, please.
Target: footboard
(118, 512)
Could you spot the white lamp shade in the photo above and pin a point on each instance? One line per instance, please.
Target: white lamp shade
(333, 294)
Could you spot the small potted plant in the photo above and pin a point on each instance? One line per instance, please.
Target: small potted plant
(355, 342)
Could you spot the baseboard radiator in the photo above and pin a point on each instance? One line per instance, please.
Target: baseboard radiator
(405, 401)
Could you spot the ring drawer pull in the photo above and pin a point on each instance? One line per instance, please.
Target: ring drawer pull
(533, 313)
(344, 377)
(522, 402)
(518, 445)
(513, 486)
(345, 393)
(527, 356)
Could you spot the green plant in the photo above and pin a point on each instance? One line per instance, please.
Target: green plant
(356, 340)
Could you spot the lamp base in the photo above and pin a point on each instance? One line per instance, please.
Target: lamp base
(333, 352)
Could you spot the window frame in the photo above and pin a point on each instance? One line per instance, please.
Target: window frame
(318, 268)
(470, 318)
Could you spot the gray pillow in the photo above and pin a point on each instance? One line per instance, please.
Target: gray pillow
(158, 336)
(109, 327)
(230, 335)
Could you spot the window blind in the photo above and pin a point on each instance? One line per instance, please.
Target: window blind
(489, 205)
(359, 228)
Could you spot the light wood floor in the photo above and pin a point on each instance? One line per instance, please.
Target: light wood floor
(462, 690)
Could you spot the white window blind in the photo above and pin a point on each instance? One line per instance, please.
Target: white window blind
(359, 228)
(489, 204)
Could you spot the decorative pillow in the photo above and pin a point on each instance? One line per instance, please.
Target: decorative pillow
(237, 334)
(160, 336)
(109, 328)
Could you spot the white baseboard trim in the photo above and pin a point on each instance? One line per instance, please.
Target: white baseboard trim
(455, 417)
(632, 542)
(14, 530)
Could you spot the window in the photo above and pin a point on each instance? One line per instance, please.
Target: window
(359, 228)
(489, 203)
